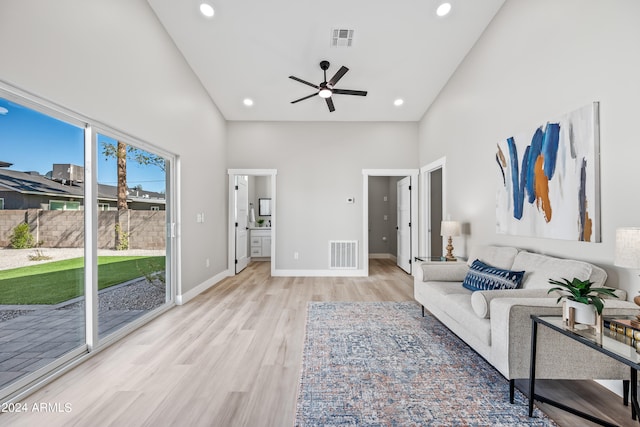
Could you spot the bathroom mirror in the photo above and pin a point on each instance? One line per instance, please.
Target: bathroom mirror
(264, 207)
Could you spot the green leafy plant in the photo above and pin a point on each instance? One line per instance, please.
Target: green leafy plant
(260, 221)
(21, 237)
(123, 239)
(581, 291)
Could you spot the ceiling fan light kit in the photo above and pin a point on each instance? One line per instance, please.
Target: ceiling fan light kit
(327, 88)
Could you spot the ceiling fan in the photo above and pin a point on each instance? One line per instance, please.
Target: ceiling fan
(326, 88)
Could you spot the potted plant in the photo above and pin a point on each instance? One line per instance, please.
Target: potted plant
(260, 222)
(579, 294)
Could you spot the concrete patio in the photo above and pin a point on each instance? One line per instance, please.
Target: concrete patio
(32, 340)
(39, 334)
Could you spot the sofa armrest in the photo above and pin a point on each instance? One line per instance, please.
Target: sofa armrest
(481, 300)
(558, 356)
(442, 271)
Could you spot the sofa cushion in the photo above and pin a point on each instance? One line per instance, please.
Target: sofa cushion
(458, 308)
(541, 268)
(481, 300)
(498, 256)
(443, 271)
(482, 277)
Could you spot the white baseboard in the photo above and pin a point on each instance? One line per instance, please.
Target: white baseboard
(191, 294)
(319, 273)
(613, 385)
(382, 256)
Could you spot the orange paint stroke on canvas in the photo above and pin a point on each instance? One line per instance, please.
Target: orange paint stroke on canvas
(503, 160)
(588, 225)
(542, 189)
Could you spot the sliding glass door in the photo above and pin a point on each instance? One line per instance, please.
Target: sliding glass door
(85, 237)
(132, 242)
(41, 239)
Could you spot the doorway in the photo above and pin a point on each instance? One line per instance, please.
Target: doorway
(433, 207)
(390, 212)
(248, 191)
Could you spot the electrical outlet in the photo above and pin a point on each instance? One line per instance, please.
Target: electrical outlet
(206, 263)
(296, 255)
(385, 199)
(198, 218)
(386, 217)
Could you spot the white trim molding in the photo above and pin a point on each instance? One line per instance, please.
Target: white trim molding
(182, 299)
(274, 215)
(425, 208)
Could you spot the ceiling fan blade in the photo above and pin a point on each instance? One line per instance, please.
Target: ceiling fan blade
(330, 104)
(305, 82)
(303, 98)
(341, 72)
(350, 92)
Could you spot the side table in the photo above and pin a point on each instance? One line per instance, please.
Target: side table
(602, 343)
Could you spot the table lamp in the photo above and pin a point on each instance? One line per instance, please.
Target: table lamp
(627, 253)
(450, 229)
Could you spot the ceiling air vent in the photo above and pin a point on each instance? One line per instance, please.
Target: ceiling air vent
(341, 38)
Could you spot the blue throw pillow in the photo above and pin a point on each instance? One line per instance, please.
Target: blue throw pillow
(483, 277)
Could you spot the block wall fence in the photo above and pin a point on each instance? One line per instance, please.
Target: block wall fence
(65, 229)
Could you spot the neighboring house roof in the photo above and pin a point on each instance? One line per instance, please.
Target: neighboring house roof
(34, 183)
(5, 164)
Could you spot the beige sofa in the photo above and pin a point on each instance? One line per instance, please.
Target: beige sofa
(497, 323)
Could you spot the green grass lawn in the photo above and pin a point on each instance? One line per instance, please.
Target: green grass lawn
(58, 281)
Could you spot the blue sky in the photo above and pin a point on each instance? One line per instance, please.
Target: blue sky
(34, 142)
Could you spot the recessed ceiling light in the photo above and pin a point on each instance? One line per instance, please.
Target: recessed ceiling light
(398, 102)
(207, 10)
(443, 9)
(248, 102)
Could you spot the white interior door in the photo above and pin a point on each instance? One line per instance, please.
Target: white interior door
(404, 224)
(242, 215)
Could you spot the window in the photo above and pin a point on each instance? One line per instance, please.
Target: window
(47, 159)
(132, 227)
(63, 205)
(42, 337)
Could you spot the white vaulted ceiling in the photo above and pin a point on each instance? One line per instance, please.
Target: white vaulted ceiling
(249, 48)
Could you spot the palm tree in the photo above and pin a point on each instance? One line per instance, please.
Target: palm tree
(121, 152)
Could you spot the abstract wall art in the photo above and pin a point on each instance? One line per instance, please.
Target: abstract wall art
(549, 179)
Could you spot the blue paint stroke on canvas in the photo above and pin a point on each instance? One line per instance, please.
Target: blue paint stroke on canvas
(517, 181)
(543, 143)
(550, 148)
(536, 148)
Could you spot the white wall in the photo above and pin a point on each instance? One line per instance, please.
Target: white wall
(538, 60)
(319, 165)
(113, 62)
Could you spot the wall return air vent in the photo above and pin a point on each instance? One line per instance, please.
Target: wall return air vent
(341, 38)
(343, 254)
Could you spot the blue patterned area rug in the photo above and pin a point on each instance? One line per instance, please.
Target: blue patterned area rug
(383, 364)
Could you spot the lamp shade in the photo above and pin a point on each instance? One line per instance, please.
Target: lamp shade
(627, 247)
(450, 228)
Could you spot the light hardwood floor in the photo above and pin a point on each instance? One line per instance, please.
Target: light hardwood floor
(231, 357)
